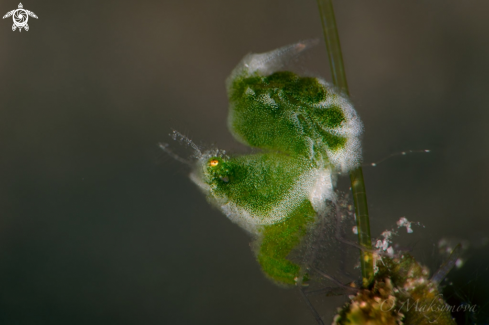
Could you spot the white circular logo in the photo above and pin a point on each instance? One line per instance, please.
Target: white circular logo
(20, 17)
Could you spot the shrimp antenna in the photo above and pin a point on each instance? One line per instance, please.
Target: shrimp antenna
(182, 138)
(401, 153)
(164, 147)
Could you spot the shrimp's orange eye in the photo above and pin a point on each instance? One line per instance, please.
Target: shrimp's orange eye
(214, 162)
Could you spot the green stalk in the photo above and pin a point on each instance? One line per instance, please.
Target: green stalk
(356, 176)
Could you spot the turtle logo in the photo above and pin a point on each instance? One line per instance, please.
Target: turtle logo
(20, 17)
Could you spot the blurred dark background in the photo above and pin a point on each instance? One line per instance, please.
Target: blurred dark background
(97, 226)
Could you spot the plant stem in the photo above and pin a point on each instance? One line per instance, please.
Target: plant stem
(363, 224)
(356, 176)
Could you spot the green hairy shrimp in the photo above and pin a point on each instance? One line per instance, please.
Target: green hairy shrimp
(308, 133)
